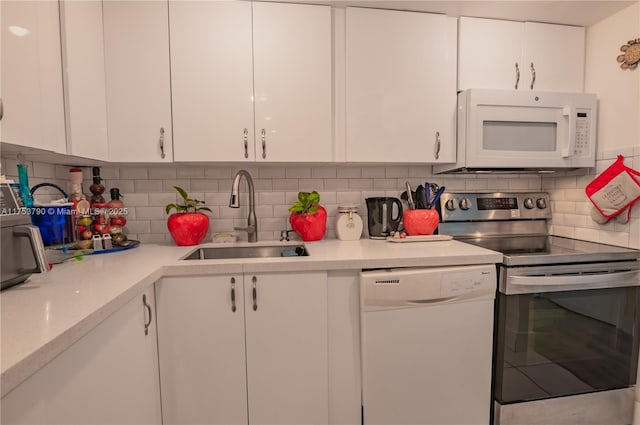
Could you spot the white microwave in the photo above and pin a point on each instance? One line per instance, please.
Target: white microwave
(508, 130)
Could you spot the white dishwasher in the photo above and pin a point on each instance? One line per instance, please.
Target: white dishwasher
(426, 345)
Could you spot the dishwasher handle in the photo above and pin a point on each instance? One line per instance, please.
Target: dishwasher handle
(533, 284)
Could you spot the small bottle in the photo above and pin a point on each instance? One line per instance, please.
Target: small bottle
(117, 212)
(79, 204)
(97, 189)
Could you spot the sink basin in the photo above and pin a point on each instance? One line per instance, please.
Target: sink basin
(265, 251)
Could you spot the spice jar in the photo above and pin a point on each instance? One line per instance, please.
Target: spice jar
(349, 223)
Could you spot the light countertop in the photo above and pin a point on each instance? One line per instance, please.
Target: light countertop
(48, 313)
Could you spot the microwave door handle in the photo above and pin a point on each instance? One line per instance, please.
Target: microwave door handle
(37, 246)
(570, 112)
(574, 282)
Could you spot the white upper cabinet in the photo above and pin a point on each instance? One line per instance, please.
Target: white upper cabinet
(136, 44)
(32, 98)
(497, 54)
(400, 86)
(84, 81)
(218, 68)
(293, 84)
(554, 56)
(212, 80)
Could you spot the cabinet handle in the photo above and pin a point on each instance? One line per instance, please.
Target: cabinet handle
(148, 307)
(263, 134)
(533, 75)
(245, 139)
(255, 293)
(1, 109)
(233, 294)
(436, 148)
(161, 142)
(517, 75)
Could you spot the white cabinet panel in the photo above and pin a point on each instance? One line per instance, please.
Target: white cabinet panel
(293, 84)
(110, 376)
(287, 366)
(557, 53)
(84, 80)
(201, 346)
(32, 97)
(490, 54)
(212, 80)
(400, 86)
(497, 54)
(136, 43)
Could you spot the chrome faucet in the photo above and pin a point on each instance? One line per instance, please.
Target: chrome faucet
(234, 202)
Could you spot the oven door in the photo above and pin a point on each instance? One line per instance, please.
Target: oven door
(566, 330)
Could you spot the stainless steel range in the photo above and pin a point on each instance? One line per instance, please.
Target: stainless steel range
(567, 313)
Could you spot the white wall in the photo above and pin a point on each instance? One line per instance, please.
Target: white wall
(618, 92)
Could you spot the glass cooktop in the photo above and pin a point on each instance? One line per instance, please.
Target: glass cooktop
(543, 249)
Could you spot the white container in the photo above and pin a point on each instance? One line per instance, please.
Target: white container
(348, 223)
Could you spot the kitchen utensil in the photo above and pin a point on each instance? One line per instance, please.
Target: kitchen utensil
(436, 197)
(433, 194)
(381, 219)
(410, 199)
(421, 197)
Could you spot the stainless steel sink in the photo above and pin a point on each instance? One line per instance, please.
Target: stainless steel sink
(265, 251)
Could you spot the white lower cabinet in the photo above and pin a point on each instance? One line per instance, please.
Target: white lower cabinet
(238, 349)
(109, 376)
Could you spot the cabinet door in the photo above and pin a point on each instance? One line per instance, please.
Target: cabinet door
(293, 82)
(201, 349)
(84, 81)
(490, 54)
(136, 44)
(110, 376)
(32, 102)
(400, 86)
(556, 53)
(286, 329)
(212, 80)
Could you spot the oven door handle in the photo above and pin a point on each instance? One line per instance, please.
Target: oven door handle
(531, 284)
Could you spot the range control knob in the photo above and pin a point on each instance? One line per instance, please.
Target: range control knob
(465, 204)
(450, 205)
(528, 203)
(541, 203)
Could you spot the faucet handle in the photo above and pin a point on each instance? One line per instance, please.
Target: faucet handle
(284, 235)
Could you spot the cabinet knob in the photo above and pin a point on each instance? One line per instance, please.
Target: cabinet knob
(533, 75)
(436, 147)
(517, 76)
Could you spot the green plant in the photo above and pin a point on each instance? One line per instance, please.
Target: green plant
(307, 203)
(188, 205)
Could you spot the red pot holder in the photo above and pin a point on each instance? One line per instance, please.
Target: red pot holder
(615, 190)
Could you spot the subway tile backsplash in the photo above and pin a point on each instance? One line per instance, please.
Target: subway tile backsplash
(147, 189)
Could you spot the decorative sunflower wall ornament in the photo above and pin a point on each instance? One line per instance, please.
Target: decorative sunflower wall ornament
(631, 56)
